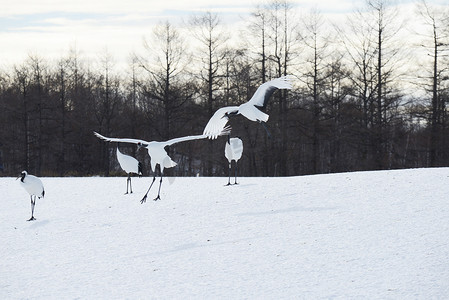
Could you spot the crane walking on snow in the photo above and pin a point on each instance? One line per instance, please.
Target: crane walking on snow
(158, 154)
(34, 187)
(130, 165)
(250, 110)
(233, 152)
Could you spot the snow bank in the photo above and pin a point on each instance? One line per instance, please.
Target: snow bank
(377, 235)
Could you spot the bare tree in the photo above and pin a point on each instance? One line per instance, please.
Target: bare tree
(208, 31)
(62, 78)
(258, 29)
(357, 39)
(437, 43)
(166, 68)
(283, 42)
(106, 88)
(371, 41)
(317, 44)
(386, 25)
(38, 69)
(22, 78)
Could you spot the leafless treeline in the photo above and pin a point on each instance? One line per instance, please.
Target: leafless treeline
(365, 97)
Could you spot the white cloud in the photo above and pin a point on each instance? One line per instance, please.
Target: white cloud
(20, 7)
(50, 27)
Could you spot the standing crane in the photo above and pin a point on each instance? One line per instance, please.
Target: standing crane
(233, 152)
(34, 187)
(130, 165)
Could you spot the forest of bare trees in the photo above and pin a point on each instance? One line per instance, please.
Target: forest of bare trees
(368, 94)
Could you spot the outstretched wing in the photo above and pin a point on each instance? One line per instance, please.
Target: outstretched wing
(120, 140)
(184, 139)
(264, 92)
(225, 131)
(217, 123)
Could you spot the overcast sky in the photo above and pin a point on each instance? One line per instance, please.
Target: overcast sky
(49, 28)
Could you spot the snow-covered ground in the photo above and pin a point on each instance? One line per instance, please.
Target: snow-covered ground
(364, 235)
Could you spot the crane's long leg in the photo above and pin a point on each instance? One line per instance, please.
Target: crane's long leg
(229, 174)
(144, 199)
(33, 203)
(130, 186)
(235, 173)
(160, 184)
(128, 182)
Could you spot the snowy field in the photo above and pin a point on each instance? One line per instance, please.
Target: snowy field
(364, 235)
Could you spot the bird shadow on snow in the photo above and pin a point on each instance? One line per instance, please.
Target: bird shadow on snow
(288, 210)
(241, 185)
(38, 223)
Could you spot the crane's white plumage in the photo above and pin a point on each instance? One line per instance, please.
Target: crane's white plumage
(233, 152)
(32, 184)
(234, 149)
(249, 109)
(34, 187)
(156, 151)
(130, 165)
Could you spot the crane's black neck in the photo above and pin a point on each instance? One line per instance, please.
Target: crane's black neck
(139, 167)
(23, 177)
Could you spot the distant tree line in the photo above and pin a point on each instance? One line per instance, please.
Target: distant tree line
(369, 94)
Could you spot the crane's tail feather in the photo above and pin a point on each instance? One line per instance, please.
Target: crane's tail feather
(168, 163)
